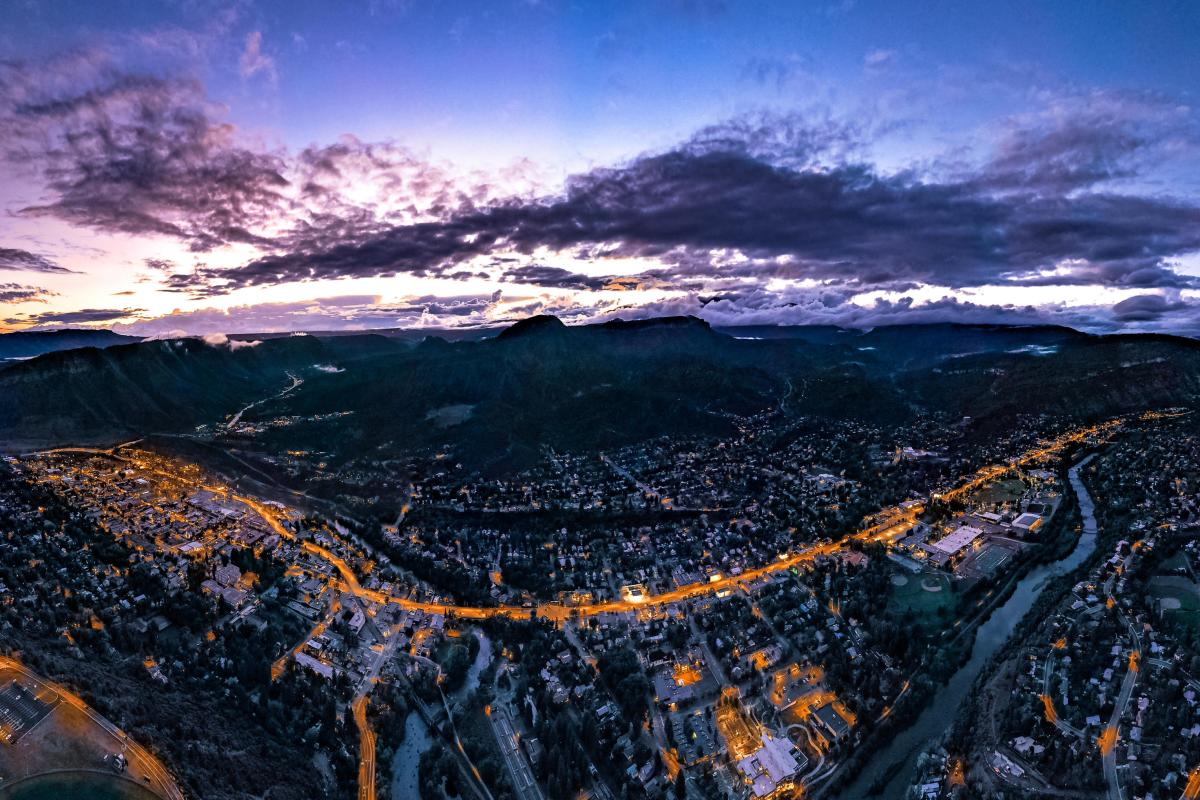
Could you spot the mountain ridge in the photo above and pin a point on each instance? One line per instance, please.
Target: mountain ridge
(541, 383)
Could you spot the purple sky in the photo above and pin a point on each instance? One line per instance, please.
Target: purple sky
(223, 167)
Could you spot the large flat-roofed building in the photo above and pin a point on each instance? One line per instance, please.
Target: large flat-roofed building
(958, 541)
(1027, 522)
(319, 667)
(772, 768)
(834, 723)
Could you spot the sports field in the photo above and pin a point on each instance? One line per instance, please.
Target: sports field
(992, 560)
(1179, 596)
(923, 594)
(1000, 492)
(81, 785)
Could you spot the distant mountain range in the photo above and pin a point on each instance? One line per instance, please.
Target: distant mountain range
(27, 344)
(498, 400)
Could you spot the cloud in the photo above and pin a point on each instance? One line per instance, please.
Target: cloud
(152, 156)
(254, 62)
(23, 260)
(347, 312)
(430, 307)
(135, 154)
(19, 293)
(222, 340)
(1084, 138)
(1064, 196)
(80, 316)
(825, 306)
(776, 71)
(1151, 308)
(342, 313)
(558, 277)
(173, 333)
(771, 195)
(879, 60)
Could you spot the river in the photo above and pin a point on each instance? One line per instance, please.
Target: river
(405, 785)
(408, 757)
(936, 719)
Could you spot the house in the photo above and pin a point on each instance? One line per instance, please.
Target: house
(228, 575)
(310, 663)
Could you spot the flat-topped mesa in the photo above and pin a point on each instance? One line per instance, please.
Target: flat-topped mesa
(679, 322)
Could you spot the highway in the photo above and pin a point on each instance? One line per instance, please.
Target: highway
(160, 780)
(1191, 789)
(238, 416)
(1108, 739)
(366, 764)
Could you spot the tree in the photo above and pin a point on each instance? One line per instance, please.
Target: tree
(455, 666)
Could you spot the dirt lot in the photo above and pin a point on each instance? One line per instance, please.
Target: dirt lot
(66, 738)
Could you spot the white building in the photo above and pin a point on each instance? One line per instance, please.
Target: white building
(771, 767)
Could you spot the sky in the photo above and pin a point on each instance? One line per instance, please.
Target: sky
(193, 166)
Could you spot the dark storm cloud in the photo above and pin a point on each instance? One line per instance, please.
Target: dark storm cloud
(83, 315)
(556, 277)
(847, 223)
(25, 261)
(1150, 308)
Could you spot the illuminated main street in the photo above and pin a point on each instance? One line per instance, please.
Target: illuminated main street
(886, 527)
(366, 749)
(894, 524)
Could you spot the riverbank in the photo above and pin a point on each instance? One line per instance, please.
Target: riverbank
(405, 764)
(894, 766)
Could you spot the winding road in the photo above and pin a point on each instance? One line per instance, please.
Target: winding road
(238, 416)
(894, 523)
